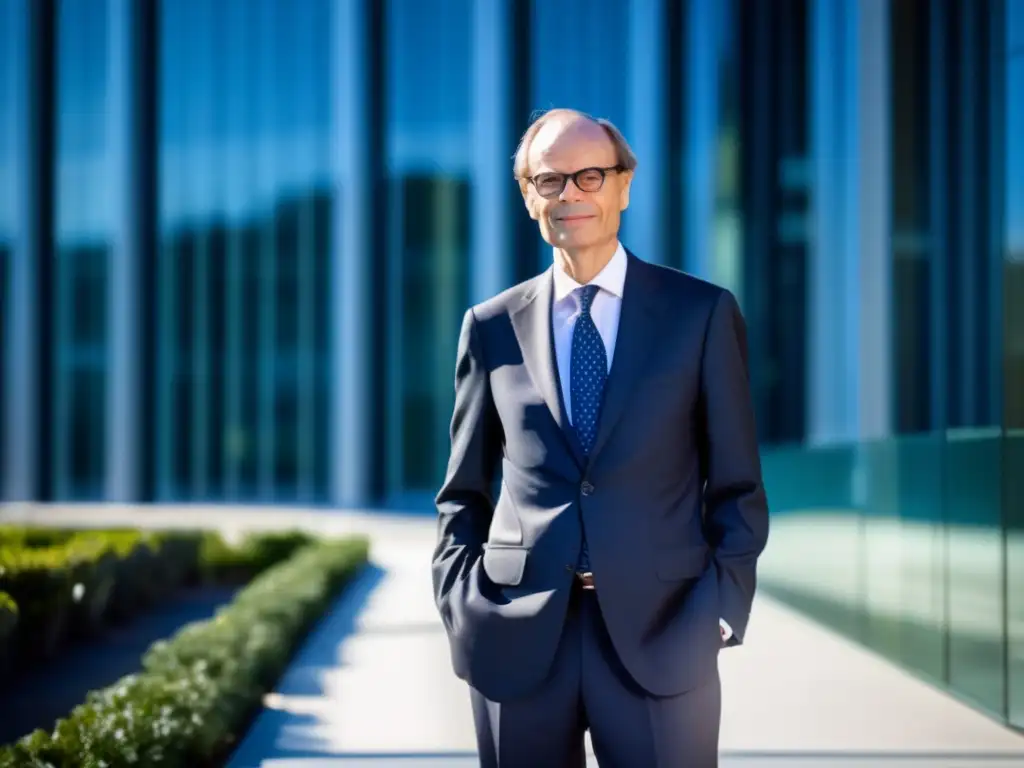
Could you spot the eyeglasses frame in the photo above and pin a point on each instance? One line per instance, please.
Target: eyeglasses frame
(575, 179)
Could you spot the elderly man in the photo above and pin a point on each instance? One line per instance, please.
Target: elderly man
(596, 588)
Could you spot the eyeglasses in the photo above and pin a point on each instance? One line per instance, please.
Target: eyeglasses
(586, 179)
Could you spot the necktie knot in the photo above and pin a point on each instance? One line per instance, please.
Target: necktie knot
(587, 294)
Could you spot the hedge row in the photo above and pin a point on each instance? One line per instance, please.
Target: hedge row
(8, 624)
(198, 690)
(68, 583)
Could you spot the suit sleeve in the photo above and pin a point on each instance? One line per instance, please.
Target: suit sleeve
(465, 504)
(736, 507)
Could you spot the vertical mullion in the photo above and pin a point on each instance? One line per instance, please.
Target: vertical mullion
(199, 108)
(306, 351)
(236, 182)
(353, 31)
(122, 320)
(306, 383)
(701, 90)
(305, 289)
(268, 252)
(492, 172)
(20, 461)
(395, 366)
(967, 250)
(647, 104)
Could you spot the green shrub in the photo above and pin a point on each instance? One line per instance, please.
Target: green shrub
(8, 614)
(93, 564)
(136, 552)
(182, 549)
(8, 623)
(198, 688)
(39, 580)
(222, 563)
(268, 549)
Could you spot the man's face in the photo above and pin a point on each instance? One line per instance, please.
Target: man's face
(575, 219)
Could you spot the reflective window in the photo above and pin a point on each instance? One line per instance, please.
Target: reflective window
(913, 251)
(428, 155)
(913, 523)
(12, 19)
(580, 60)
(1013, 350)
(1015, 27)
(243, 275)
(84, 218)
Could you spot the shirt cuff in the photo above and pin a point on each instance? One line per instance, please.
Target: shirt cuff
(726, 629)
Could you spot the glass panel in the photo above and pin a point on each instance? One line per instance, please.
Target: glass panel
(970, 321)
(187, 200)
(302, 72)
(1013, 350)
(585, 68)
(814, 560)
(245, 220)
(727, 267)
(81, 272)
(428, 155)
(11, 72)
(899, 541)
(973, 507)
(1015, 27)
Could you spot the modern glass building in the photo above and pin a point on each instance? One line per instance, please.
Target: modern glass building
(237, 238)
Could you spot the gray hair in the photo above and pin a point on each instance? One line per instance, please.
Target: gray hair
(624, 155)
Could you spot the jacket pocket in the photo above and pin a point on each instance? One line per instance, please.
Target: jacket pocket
(505, 563)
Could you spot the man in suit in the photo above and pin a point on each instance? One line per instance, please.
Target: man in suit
(594, 587)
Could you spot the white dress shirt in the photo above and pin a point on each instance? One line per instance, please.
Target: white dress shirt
(604, 311)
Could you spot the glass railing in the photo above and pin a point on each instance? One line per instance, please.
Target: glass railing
(914, 547)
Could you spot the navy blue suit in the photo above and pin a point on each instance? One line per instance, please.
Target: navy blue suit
(671, 501)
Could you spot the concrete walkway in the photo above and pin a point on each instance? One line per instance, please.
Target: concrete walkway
(373, 684)
(374, 687)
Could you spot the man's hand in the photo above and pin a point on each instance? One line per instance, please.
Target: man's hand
(725, 630)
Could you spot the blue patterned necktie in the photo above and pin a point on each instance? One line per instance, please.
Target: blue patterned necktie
(588, 371)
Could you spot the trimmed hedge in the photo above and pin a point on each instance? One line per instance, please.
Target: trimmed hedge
(222, 563)
(8, 623)
(69, 583)
(198, 689)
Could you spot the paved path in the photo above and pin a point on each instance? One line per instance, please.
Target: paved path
(373, 686)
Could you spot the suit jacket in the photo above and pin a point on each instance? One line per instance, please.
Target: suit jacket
(671, 494)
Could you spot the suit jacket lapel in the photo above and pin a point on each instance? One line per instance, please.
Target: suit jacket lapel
(532, 325)
(638, 331)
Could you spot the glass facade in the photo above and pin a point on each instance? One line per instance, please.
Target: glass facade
(12, 66)
(908, 539)
(245, 241)
(1013, 353)
(588, 69)
(237, 238)
(80, 274)
(428, 160)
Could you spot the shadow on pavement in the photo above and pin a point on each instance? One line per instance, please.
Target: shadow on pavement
(304, 679)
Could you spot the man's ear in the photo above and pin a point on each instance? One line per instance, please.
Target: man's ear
(529, 201)
(627, 180)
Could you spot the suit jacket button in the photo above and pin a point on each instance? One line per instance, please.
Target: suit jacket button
(587, 488)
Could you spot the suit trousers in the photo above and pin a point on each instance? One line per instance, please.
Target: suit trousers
(588, 688)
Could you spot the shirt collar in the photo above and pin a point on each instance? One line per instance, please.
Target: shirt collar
(612, 278)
